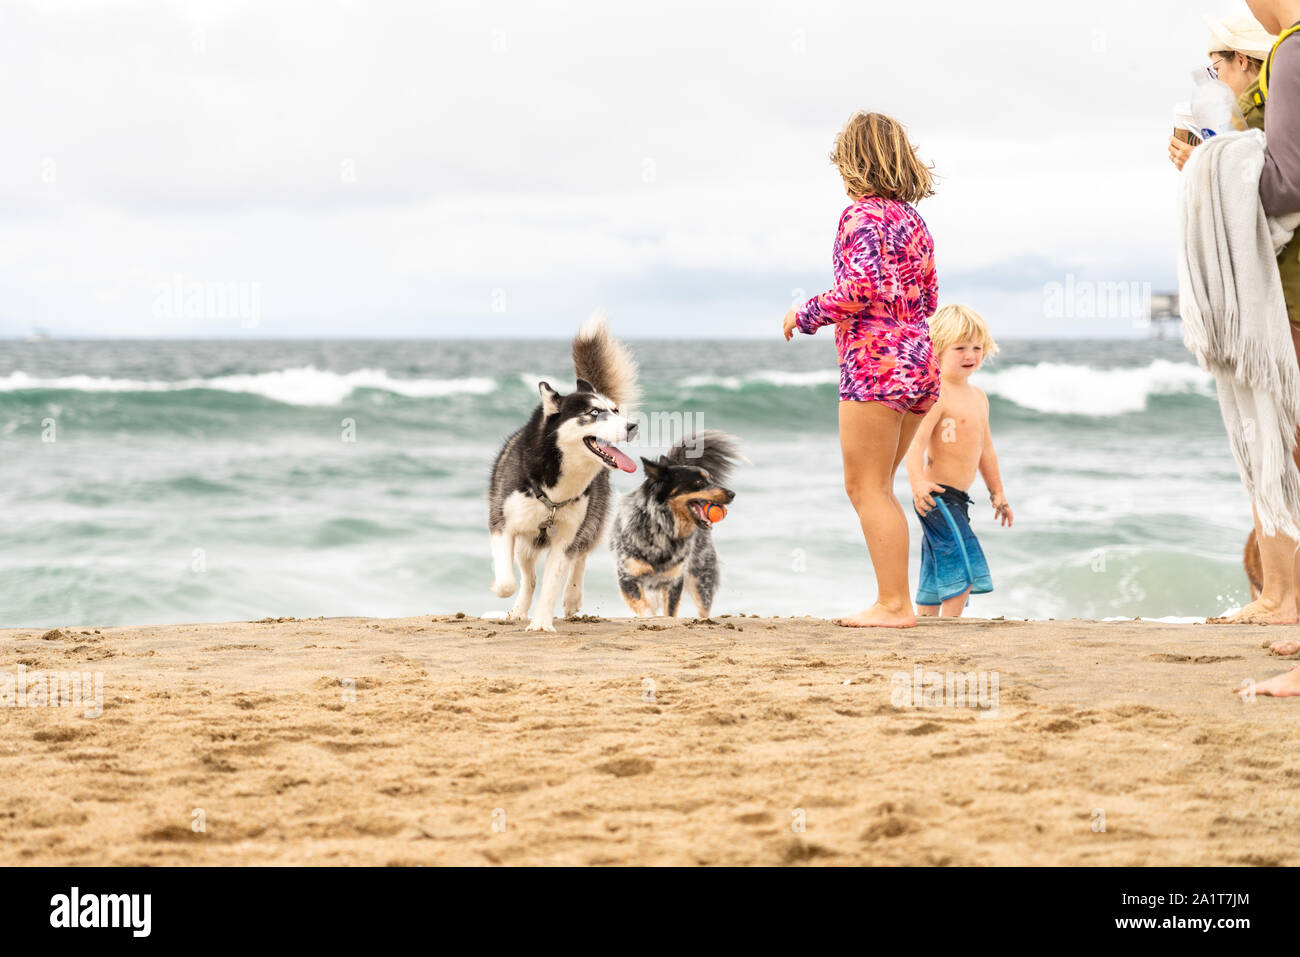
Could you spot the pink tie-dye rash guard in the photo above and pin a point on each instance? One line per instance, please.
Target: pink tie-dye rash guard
(885, 290)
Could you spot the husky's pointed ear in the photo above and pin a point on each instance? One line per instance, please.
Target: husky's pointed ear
(585, 386)
(550, 398)
(653, 470)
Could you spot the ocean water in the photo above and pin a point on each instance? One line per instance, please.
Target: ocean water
(157, 482)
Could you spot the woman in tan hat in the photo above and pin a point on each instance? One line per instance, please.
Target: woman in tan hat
(1237, 48)
(1279, 195)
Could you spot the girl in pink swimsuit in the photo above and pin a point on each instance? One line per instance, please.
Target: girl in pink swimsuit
(884, 294)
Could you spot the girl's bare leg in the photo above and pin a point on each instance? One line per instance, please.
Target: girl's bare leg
(928, 611)
(874, 438)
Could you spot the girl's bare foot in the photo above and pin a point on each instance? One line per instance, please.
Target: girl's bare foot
(1287, 646)
(878, 616)
(1285, 685)
(1261, 611)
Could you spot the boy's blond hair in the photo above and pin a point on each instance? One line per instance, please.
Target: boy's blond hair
(874, 158)
(953, 324)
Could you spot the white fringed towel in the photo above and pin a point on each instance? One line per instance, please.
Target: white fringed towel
(1235, 320)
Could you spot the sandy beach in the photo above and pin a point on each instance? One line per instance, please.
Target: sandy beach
(737, 741)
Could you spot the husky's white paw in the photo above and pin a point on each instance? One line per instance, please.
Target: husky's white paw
(538, 625)
(517, 614)
(572, 611)
(504, 589)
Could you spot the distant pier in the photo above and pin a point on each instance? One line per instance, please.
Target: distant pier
(1165, 319)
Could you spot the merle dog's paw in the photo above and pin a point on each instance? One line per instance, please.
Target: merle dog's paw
(504, 589)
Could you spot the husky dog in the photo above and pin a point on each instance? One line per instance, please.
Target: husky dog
(550, 484)
(661, 538)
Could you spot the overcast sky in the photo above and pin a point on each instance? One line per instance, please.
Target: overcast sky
(486, 169)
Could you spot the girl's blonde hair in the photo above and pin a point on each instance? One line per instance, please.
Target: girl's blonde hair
(874, 157)
(953, 324)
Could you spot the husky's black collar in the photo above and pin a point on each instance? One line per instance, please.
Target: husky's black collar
(536, 492)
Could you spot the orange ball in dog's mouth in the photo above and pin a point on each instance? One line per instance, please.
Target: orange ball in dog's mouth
(715, 512)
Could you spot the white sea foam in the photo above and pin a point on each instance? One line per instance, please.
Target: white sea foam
(775, 377)
(301, 386)
(1057, 388)
(1061, 388)
(1163, 619)
(560, 384)
(1052, 387)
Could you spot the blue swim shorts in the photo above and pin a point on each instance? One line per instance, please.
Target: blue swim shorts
(951, 557)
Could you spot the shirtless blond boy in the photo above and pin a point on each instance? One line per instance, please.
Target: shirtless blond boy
(952, 443)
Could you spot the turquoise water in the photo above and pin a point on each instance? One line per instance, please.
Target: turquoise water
(154, 482)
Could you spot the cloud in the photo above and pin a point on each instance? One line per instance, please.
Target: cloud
(402, 169)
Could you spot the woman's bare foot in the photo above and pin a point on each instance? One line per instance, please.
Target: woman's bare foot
(878, 616)
(1285, 685)
(1287, 646)
(1261, 611)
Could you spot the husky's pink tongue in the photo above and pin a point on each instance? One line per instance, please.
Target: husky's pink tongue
(621, 460)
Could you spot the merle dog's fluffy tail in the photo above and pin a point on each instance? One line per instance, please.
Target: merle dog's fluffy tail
(714, 451)
(605, 362)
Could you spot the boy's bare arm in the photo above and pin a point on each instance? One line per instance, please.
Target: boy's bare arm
(915, 461)
(993, 478)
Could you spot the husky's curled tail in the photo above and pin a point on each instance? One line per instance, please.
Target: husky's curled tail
(605, 364)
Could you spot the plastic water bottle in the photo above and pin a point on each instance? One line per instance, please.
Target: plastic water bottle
(1213, 106)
